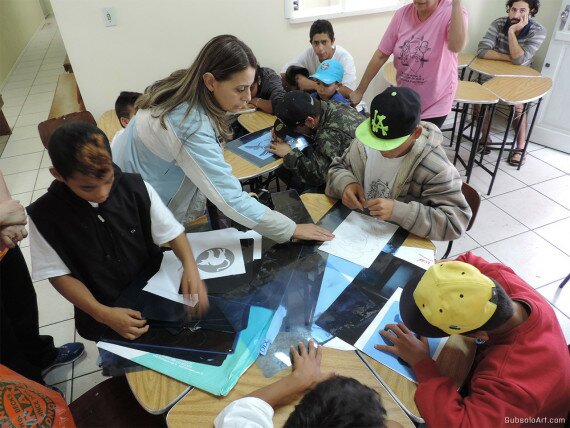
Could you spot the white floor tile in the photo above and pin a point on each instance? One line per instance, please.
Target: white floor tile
(19, 77)
(44, 80)
(530, 207)
(493, 224)
(16, 92)
(46, 87)
(557, 189)
(31, 119)
(460, 246)
(44, 179)
(14, 101)
(555, 158)
(22, 147)
(20, 84)
(47, 73)
(21, 182)
(532, 258)
(36, 107)
(23, 198)
(11, 111)
(62, 333)
(20, 163)
(533, 171)
(24, 132)
(84, 383)
(482, 252)
(89, 363)
(46, 161)
(557, 234)
(49, 299)
(559, 297)
(41, 97)
(50, 65)
(504, 183)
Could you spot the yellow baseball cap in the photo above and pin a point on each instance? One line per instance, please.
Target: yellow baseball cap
(452, 298)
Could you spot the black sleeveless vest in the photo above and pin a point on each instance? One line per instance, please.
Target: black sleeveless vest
(105, 247)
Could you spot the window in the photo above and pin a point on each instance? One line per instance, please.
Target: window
(309, 10)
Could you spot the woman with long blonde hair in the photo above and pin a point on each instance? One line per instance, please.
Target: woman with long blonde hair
(174, 141)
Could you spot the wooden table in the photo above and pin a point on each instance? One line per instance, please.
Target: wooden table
(491, 67)
(199, 408)
(455, 361)
(256, 120)
(157, 392)
(464, 59)
(241, 168)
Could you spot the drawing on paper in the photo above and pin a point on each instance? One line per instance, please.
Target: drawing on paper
(258, 146)
(215, 259)
(359, 239)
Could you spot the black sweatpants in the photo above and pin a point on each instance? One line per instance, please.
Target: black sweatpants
(22, 348)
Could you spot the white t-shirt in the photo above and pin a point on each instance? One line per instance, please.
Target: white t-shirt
(309, 59)
(247, 412)
(379, 174)
(46, 263)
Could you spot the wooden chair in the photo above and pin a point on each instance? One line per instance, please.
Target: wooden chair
(111, 403)
(47, 127)
(474, 200)
(109, 123)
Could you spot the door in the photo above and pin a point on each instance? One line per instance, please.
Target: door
(553, 127)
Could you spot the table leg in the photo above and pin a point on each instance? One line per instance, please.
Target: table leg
(529, 129)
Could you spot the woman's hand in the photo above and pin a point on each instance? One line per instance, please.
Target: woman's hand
(312, 232)
(12, 212)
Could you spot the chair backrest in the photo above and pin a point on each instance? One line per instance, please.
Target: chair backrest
(473, 199)
(47, 127)
(109, 123)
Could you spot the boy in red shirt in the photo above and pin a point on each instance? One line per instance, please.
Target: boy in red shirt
(521, 375)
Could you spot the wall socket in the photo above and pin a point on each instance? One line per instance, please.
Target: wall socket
(109, 16)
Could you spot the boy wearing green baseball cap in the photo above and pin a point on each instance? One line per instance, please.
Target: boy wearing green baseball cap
(397, 169)
(521, 374)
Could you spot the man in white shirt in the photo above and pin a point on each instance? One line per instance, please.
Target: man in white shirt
(321, 37)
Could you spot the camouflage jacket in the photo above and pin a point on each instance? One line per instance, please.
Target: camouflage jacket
(336, 129)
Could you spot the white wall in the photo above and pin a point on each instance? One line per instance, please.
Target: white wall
(154, 37)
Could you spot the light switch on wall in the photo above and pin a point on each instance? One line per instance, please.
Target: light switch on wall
(109, 16)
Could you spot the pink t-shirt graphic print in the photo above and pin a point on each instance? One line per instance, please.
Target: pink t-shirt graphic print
(422, 59)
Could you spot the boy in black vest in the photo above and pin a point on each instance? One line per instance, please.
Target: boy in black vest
(97, 229)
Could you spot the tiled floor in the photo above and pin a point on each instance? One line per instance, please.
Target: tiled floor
(525, 223)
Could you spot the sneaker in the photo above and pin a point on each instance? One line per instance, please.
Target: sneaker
(66, 354)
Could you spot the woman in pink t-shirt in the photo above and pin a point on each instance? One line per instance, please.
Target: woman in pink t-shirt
(424, 37)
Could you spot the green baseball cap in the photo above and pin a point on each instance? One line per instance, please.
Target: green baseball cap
(394, 115)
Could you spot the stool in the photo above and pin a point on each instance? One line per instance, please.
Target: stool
(512, 91)
(469, 93)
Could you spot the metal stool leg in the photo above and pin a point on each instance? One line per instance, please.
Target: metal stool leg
(502, 149)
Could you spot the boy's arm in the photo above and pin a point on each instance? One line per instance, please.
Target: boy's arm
(126, 322)
(191, 284)
(305, 375)
(341, 172)
(487, 46)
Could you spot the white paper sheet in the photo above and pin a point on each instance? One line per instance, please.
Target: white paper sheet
(359, 239)
(420, 257)
(217, 252)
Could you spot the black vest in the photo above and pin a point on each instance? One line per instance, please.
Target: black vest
(107, 247)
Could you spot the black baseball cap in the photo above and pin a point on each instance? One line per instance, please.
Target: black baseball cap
(394, 115)
(295, 107)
